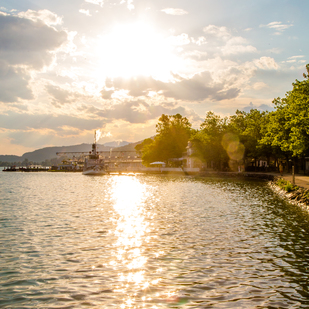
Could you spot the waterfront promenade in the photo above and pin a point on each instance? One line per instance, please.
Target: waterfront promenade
(300, 180)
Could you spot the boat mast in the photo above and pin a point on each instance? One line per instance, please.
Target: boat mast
(94, 145)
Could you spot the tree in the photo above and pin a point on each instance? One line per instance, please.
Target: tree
(172, 135)
(207, 141)
(250, 127)
(288, 127)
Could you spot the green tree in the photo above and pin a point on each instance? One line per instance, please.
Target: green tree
(250, 127)
(207, 141)
(172, 135)
(288, 127)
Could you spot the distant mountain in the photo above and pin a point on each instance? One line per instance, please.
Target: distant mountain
(10, 158)
(116, 144)
(49, 153)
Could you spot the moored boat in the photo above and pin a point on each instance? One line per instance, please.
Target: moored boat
(94, 164)
(10, 169)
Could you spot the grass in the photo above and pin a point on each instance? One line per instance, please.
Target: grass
(286, 185)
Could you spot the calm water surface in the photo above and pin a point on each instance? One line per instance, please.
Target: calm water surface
(72, 241)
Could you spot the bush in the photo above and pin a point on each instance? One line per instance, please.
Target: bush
(286, 185)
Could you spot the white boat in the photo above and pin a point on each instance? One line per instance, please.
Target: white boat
(94, 164)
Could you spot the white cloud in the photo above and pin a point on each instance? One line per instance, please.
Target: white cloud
(275, 50)
(266, 63)
(98, 2)
(130, 5)
(296, 57)
(261, 107)
(173, 11)
(220, 32)
(278, 26)
(197, 88)
(236, 45)
(195, 54)
(199, 41)
(46, 16)
(182, 39)
(259, 85)
(86, 12)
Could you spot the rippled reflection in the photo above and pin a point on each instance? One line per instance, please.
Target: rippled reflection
(132, 230)
(69, 241)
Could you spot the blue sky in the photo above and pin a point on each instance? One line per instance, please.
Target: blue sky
(70, 67)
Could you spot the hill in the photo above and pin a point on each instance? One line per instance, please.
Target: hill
(49, 153)
(10, 158)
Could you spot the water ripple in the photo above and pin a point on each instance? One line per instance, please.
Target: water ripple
(69, 241)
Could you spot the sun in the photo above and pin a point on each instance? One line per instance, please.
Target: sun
(135, 49)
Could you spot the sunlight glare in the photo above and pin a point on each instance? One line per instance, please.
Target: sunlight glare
(132, 231)
(135, 49)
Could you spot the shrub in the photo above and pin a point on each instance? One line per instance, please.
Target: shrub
(286, 185)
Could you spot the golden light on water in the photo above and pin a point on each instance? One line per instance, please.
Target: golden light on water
(131, 229)
(135, 244)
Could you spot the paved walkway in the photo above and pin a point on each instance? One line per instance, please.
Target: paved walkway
(300, 180)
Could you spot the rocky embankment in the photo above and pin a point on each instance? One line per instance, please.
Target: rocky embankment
(295, 194)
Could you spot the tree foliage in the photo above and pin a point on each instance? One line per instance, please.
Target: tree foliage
(288, 125)
(207, 141)
(254, 135)
(172, 135)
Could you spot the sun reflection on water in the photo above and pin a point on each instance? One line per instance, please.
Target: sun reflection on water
(132, 228)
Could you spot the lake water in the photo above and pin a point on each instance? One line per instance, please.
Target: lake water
(74, 241)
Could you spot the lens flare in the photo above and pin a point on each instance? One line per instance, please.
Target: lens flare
(234, 148)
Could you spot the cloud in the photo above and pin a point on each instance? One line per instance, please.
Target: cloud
(27, 42)
(86, 12)
(266, 63)
(236, 45)
(26, 121)
(45, 16)
(182, 39)
(278, 26)
(221, 39)
(259, 85)
(26, 45)
(130, 5)
(59, 95)
(172, 11)
(14, 84)
(198, 88)
(106, 94)
(296, 57)
(136, 111)
(196, 55)
(199, 41)
(262, 107)
(97, 2)
(220, 32)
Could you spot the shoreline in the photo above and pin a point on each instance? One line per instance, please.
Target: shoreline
(299, 197)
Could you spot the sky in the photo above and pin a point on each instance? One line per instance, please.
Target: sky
(68, 68)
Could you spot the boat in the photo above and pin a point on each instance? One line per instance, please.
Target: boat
(94, 164)
(10, 169)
